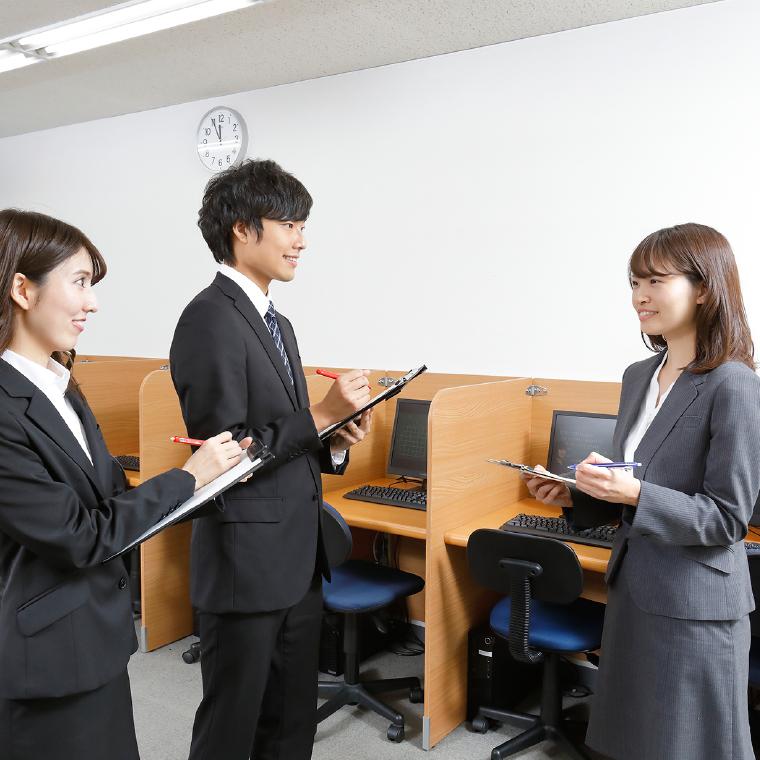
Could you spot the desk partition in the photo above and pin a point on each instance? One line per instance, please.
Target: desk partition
(167, 614)
(467, 425)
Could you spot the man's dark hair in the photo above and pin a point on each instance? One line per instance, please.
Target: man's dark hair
(248, 193)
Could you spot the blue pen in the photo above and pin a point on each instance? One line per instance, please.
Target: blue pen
(607, 464)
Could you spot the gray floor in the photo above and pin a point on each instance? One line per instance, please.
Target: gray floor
(166, 692)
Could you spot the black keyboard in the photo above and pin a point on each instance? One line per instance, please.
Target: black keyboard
(411, 498)
(557, 527)
(129, 462)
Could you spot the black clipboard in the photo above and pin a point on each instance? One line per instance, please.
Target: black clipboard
(388, 393)
(254, 458)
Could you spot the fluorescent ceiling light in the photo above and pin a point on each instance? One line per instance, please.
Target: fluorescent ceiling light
(123, 22)
(10, 60)
(98, 22)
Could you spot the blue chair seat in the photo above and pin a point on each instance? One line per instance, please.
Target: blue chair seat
(358, 586)
(754, 662)
(575, 627)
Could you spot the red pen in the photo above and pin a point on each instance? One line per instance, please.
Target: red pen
(331, 375)
(191, 441)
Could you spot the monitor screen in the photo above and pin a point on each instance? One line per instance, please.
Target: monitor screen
(409, 440)
(575, 435)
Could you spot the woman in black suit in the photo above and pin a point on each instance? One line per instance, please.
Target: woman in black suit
(66, 629)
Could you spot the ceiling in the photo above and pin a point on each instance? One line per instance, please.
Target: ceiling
(277, 42)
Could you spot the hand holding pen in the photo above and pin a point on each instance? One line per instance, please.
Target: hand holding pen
(606, 480)
(348, 394)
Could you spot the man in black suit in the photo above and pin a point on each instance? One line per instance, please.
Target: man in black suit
(257, 563)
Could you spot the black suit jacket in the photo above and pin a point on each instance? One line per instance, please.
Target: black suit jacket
(259, 550)
(65, 619)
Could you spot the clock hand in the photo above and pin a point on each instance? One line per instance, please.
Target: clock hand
(213, 122)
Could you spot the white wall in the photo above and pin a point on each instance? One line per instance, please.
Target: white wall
(474, 211)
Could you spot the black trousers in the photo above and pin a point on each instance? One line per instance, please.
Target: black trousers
(94, 725)
(259, 683)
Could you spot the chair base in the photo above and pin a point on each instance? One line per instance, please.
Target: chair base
(550, 724)
(339, 694)
(535, 731)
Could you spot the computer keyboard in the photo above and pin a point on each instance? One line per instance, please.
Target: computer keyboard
(411, 498)
(129, 462)
(557, 527)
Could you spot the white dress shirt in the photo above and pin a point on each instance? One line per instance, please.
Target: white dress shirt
(648, 412)
(52, 381)
(261, 301)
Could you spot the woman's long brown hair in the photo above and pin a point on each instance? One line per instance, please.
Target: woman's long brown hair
(705, 257)
(34, 245)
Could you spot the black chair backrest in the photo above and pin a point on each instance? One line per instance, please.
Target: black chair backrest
(336, 535)
(524, 567)
(754, 576)
(561, 577)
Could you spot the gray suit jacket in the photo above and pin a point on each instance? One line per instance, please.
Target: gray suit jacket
(700, 482)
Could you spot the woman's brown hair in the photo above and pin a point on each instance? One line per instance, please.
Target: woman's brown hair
(705, 257)
(34, 245)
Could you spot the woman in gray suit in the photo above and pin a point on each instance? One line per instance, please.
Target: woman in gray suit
(672, 681)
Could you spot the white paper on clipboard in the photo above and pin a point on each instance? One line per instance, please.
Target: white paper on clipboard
(532, 471)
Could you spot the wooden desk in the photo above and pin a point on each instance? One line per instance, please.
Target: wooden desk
(592, 558)
(398, 521)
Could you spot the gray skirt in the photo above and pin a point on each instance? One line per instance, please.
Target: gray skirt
(670, 689)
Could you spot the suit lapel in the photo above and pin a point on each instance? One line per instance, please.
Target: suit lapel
(680, 398)
(101, 459)
(46, 417)
(42, 412)
(630, 406)
(291, 347)
(248, 310)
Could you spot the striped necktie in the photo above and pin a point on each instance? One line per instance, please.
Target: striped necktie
(271, 319)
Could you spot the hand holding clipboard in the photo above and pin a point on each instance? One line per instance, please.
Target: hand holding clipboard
(388, 393)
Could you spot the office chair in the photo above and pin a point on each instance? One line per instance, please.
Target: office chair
(541, 618)
(358, 587)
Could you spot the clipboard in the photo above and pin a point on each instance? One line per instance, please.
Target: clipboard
(388, 393)
(253, 459)
(532, 471)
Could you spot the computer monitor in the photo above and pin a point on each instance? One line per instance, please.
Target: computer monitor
(575, 434)
(408, 455)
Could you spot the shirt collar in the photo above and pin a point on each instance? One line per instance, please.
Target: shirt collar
(55, 377)
(251, 289)
(654, 384)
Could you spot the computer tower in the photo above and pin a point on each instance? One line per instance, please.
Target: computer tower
(331, 642)
(495, 678)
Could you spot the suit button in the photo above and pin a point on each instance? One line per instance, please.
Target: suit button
(122, 582)
(314, 497)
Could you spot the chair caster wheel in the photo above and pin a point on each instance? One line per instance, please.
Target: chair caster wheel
(416, 695)
(193, 654)
(480, 724)
(395, 733)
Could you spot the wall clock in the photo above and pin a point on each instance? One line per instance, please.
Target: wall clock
(222, 139)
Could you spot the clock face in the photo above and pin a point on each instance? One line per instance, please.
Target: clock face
(222, 139)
